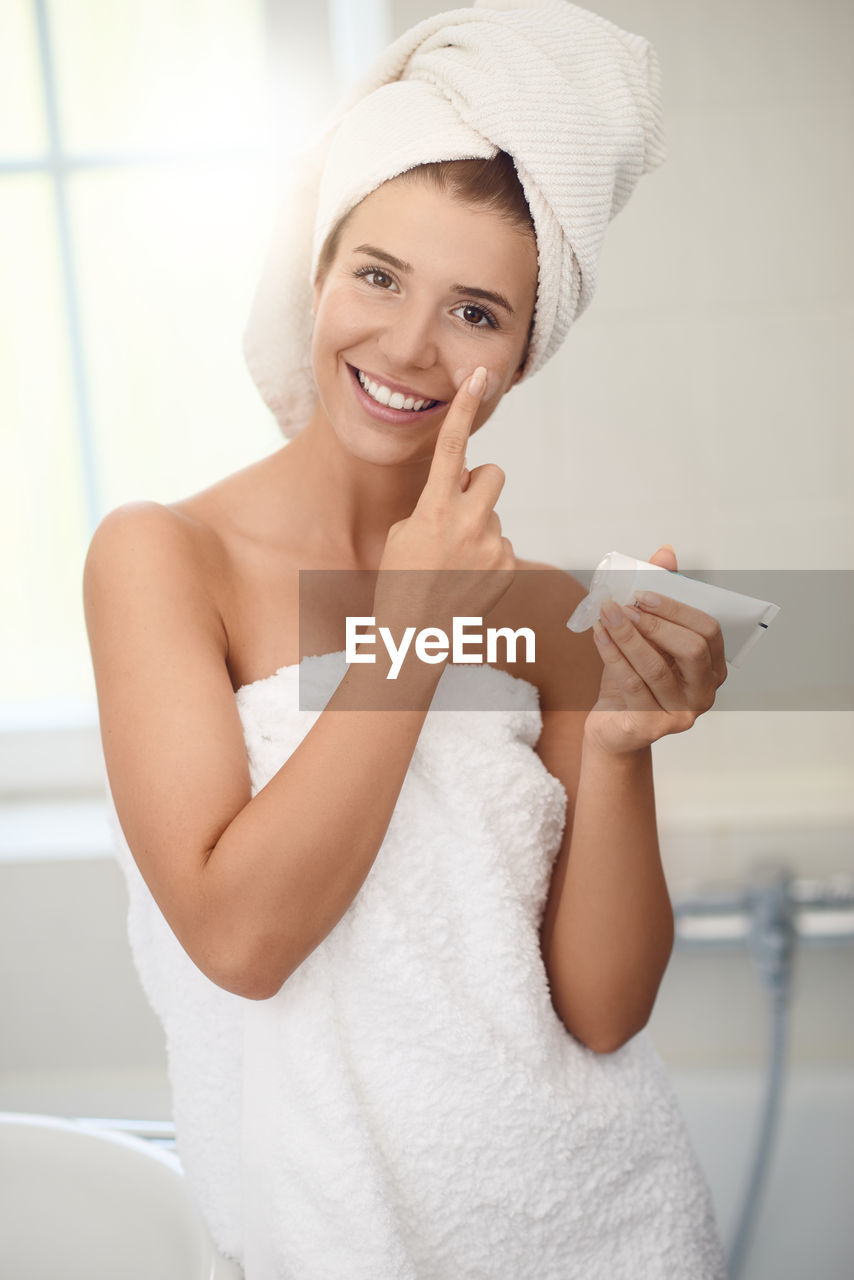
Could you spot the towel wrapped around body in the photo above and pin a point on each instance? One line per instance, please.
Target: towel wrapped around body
(409, 1105)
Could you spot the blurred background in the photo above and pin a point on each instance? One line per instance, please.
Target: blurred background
(705, 399)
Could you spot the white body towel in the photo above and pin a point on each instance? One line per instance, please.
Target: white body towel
(409, 1106)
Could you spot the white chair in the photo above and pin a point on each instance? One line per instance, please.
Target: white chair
(77, 1203)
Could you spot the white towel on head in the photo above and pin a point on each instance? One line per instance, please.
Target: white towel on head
(570, 96)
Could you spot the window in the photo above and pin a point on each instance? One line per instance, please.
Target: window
(132, 206)
(140, 149)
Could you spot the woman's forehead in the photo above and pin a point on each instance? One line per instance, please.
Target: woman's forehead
(427, 229)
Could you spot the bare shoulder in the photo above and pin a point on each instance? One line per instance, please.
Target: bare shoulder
(145, 529)
(148, 544)
(150, 571)
(568, 669)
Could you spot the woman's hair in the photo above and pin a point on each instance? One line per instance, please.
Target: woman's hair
(492, 185)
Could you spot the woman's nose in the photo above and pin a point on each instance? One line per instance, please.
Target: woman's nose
(410, 338)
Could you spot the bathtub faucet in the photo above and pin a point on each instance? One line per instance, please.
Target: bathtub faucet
(767, 913)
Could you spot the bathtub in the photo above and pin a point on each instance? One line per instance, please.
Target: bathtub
(89, 1203)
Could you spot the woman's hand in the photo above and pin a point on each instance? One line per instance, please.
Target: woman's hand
(453, 537)
(663, 666)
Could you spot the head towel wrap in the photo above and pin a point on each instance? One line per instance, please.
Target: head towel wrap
(571, 97)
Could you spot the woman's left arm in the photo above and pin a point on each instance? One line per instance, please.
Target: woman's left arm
(607, 931)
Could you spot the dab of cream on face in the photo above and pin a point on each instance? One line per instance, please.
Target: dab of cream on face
(461, 374)
(743, 619)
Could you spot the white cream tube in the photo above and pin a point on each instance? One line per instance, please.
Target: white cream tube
(742, 619)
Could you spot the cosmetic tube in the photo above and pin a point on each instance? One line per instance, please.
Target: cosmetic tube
(742, 618)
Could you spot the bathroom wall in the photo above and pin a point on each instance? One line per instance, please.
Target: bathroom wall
(705, 397)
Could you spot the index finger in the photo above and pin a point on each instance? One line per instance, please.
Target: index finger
(449, 453)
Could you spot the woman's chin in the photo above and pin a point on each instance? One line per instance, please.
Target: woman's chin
(375, 441)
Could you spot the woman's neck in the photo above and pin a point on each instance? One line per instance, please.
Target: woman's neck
(344, 502)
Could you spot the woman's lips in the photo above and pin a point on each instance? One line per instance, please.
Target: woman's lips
(383, 411)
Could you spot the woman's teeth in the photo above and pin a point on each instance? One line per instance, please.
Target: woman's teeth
(394, 399)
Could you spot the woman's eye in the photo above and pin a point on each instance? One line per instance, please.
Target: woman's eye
(375, 276)
(477, 317)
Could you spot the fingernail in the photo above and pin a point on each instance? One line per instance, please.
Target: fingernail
(477, 381)
(648, 598)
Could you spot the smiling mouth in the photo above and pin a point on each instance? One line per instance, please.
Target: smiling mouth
(378, 391)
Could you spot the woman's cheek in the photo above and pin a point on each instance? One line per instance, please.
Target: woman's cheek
(341, 317)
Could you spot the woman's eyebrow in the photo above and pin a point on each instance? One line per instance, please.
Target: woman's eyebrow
(373, 252)
(487, 295)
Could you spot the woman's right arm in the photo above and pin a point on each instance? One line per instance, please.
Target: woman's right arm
(251, 885)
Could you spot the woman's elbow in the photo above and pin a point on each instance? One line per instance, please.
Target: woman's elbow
(249, 982)
(249, 973)
(246, 962)
(605, 1040)
(612, 1044)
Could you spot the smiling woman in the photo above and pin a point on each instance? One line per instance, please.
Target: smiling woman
(393, 323)
(404, 959)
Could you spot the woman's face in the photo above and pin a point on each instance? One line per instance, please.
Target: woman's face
(422, 290)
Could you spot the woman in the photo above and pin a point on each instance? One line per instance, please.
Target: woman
(404, 959)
